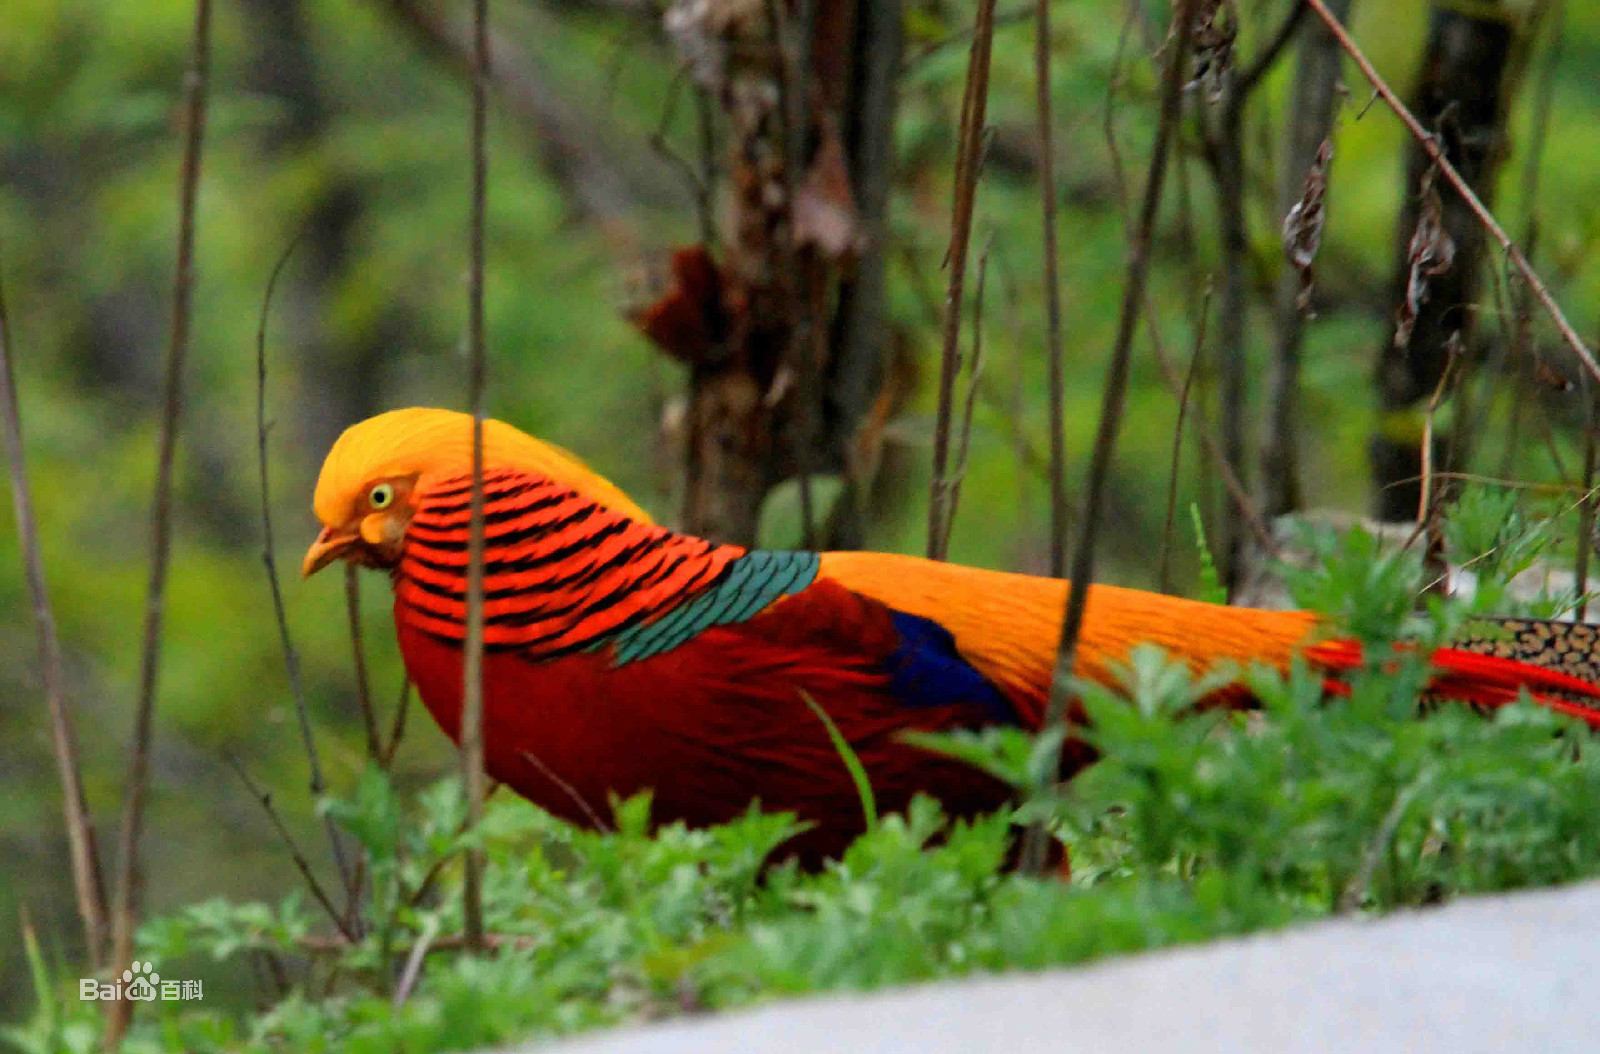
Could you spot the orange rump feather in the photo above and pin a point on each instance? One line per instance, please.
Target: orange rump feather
(1009, 625)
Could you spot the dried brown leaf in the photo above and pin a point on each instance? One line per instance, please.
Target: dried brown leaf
(1550, 377)
(1429, 255)
(824, 208)
(703, 32)
(683, 312)
(1302, 227)
(1216, 34)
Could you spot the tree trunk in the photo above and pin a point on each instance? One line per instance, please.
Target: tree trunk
(1310, 122)
(1458, 96)
(798, 311)
(1227, 156)
(860, 333)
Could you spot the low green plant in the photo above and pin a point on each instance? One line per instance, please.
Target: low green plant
(1196, 823)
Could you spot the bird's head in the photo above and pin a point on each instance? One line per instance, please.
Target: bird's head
(380, 469)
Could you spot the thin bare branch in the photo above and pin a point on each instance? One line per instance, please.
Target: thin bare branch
(1165, 579)
(398, 729)
(300, 862)
(1455, 353)
(1586, 512)
(973, 108)
(1133, 297)
(472, 778)
(1539, 129)
(354, 891)
(1052, 295)
(569, 790)
(1552, 489)
(1211, 445)
(1428, 587)
(1485, 218)
(125, 910)
(602, 179)
(425, 886)
(413, 967)
(1470, 419)
(88, 882)
(1429, 521)
(1109, 114)
(1014, 17)
(313, 944)
(1307, 155)
(1224, 153)
(1246, 82)
(358, 657)
(291, 658)
(267, 966)
(974, 380)
(706, 138)
(1356, 891)
(697, 176)
(1006, 413)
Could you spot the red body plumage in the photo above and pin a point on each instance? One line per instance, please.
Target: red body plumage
(712, 724)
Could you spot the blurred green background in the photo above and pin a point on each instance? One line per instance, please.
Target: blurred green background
(337, 112)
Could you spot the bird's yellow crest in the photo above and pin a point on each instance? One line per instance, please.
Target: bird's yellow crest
(437, 444)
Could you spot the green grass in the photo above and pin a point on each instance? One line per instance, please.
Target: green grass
(1192, 827)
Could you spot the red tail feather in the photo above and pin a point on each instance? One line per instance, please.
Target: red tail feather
(1482, 680)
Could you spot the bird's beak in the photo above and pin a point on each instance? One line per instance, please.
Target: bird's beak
(331, 544)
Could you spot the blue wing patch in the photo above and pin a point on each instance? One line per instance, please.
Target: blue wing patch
(748, 585)
(926, 670)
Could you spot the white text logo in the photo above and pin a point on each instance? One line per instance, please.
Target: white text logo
(140, 981)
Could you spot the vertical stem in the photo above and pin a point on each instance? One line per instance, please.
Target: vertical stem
(974, 382)
(1112, 404)
(397, 728)
(705, 188)
(973, 107)
(87, 882)
(1164, 580)
(802, 277)
(291, 658)
(1539, 131)
(472, 779)
(1310, 122)
(358, 655)
(1586, 511)
(857, 366)
(1435, 568)
(1460, 96)
(1233, 310)
(1052, 297)
(1225, 155)
(125, 910)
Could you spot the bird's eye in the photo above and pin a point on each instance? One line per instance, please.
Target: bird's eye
(382, 495)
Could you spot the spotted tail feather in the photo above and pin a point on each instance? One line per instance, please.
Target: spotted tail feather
(1554, 661)
(1572, 648)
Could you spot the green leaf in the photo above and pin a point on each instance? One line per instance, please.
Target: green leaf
(858, 772)
(1211, 588)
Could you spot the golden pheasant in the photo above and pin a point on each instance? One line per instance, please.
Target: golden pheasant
(621, 656)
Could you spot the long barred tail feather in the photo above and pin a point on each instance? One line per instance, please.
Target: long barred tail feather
(1572, 648)
(1489, 670)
